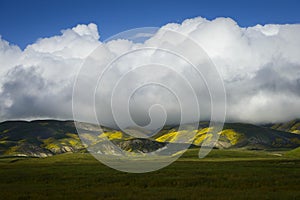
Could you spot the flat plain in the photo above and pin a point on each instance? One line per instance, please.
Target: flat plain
(223, 174)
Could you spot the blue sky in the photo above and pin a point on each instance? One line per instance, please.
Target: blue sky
(260, 66)
(23, 22)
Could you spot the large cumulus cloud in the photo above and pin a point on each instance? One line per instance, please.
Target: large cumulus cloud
(260, 67)
(37, 82)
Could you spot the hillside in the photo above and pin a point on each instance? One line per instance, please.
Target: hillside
(237, 135)
(44, 138)
(38, 138)
(292, 126)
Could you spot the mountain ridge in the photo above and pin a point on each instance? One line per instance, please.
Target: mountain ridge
(42, 138)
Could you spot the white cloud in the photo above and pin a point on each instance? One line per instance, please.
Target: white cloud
(260, 66)
(9, 56)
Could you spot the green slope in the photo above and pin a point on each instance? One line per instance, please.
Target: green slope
(295, 153)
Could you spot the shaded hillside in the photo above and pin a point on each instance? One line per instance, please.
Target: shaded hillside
(38, 138)
(292, 126)
(262, 137)
(238, 135)
(43, 138)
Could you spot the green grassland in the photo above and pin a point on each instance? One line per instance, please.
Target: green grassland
(223, 174)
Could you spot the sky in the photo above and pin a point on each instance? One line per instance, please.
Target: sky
(248, 53)
(23, 22)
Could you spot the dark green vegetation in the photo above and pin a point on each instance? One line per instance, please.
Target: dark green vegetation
(223, 174)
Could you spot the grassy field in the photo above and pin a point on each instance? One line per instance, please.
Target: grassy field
(224, 174)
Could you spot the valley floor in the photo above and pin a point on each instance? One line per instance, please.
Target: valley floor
(224, 174)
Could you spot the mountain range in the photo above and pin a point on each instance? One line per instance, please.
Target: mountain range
(42, 138)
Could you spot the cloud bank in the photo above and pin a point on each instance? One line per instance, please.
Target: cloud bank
(260, 67)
